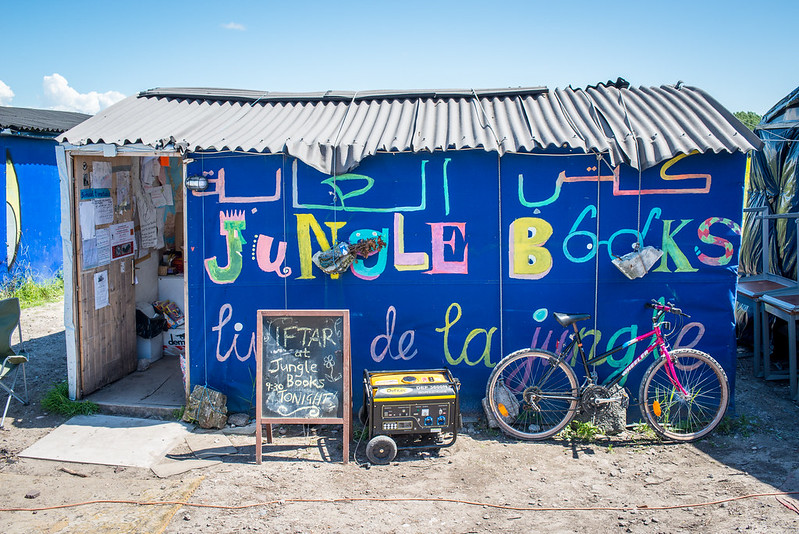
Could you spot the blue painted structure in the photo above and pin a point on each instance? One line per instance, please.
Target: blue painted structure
(38, 250)
(481, 249)
(29, 178)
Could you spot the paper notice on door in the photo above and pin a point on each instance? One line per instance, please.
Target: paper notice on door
(89, 249)
(159, 224)
(149, 235)
(168, 195)
(103, 244)
(122, 238)
(144, 204)
(123, 189)
(101, 174)
(103, 211)
(100, 290)
(121, 233)
(150, 168)
(159, 197)
(87, 219)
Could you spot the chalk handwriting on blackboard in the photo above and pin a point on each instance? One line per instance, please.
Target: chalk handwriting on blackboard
(330, 363)
(302, 402)
(303, 371)
(302, 366)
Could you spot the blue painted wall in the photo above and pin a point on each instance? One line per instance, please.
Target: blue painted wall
(480, 251)
(38, 251)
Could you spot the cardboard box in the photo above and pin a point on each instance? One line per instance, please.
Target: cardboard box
(175, 341)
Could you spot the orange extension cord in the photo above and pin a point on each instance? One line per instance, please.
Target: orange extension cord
(406, 499)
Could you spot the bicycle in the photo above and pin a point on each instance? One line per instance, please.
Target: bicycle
(533, 394)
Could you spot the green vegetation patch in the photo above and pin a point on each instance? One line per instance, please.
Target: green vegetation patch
(31, 292)
(177, 413)
(641, 430)
(581, 431)
(57, 401)
(743, 425)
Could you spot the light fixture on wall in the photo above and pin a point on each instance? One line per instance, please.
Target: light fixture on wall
(196, 182)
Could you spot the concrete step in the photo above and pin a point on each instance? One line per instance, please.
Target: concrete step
(165, 412)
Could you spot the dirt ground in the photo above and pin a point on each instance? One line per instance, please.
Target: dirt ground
(484, 483)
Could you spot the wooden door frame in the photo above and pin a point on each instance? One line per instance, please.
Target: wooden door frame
(65, 154)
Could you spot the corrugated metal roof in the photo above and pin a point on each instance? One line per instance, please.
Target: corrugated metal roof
(334, 131)
(39, 120)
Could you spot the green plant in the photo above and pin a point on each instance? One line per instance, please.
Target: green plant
(644, 431)
(177, 413)
(32, 292)
(742, 425)
(582, 431)
(361, 433)
(57, 401)
(610, 449)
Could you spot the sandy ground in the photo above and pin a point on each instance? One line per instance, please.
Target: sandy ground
(484, 483)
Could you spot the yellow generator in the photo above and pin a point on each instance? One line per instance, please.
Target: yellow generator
(409, 410)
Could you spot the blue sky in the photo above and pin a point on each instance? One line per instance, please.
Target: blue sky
(85, 55)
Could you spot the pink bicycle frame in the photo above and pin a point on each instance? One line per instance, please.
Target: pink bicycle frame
(658, 342)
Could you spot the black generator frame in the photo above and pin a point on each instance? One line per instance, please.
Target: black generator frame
(368, 407)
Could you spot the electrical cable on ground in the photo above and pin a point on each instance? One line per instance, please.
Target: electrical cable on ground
(364, 430)
(640, 507)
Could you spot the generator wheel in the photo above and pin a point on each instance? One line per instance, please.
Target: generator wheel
(381, 450)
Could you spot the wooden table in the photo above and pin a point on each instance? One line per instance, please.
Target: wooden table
(751, 290)
(785, 305)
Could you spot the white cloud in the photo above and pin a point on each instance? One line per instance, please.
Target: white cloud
(6, 94)
(64, 98)
(234, 26)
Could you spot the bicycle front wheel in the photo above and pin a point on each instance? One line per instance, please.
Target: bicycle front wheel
(531, 394)
(685, 417)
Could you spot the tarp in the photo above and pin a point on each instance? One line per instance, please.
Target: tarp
(774, 184)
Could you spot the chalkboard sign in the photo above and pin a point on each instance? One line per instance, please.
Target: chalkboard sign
(303, 370)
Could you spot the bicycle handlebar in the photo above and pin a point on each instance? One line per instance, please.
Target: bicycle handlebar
(668, 307)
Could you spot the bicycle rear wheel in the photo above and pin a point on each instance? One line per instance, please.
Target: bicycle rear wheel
(531, 394)
(674, 415)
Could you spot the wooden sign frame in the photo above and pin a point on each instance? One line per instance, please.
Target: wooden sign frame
(346, 396)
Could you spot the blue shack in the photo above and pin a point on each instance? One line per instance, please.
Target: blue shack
(496, 207)
(30, 181)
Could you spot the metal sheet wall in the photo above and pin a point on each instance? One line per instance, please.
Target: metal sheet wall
(481, 250)
(33, 211)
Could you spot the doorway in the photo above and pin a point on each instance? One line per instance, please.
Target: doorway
(128, 235)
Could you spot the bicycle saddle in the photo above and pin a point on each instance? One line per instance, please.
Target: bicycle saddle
(567, 319)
